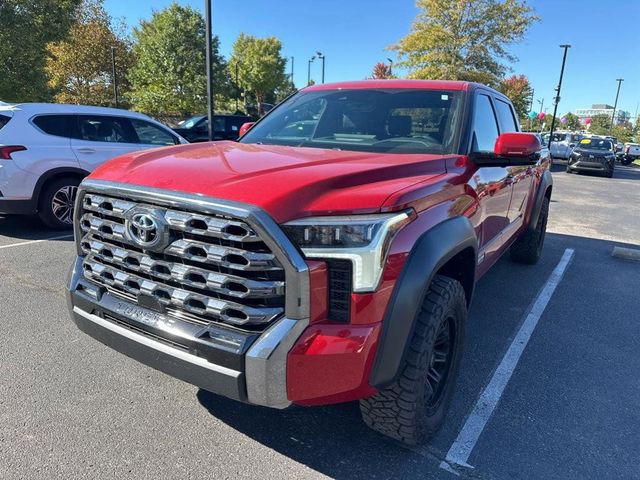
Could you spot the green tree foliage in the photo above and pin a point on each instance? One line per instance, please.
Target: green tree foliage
(573, 123)
(80, 67)
(168, 75)
(464, 39)
(26, 26)
(260, 66)
(600, 125)
(519, 90)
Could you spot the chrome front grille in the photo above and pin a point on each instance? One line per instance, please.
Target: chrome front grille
(213, 268)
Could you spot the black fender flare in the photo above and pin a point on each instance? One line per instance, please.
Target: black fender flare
(546, 182)
(431, 251)
(48, 175)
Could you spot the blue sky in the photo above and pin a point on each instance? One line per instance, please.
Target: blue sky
(354, 35)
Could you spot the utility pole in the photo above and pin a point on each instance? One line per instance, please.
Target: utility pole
(556, 100)
(209, 72)
(615, 105)
(114, 77)
(321, 56)
(309, 69)
(237, 86)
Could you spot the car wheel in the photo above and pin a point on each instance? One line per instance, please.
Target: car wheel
(609, 173)
(413, 408)
(56, 203)
(569, 169)
(528, 248)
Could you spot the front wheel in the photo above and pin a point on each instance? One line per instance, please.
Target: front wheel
(413, 408)
(57, 201)
(626, 161)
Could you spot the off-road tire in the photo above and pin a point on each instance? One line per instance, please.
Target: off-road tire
(528, 248)
(405, 410)
(609, 173)
(46, 199)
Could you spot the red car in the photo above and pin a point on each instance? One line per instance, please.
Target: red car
(328, 256)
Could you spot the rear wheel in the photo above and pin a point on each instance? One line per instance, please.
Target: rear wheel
(528, 248)
(413, 408)
(56, 203)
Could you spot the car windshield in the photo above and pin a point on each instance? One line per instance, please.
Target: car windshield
(596, 144)
(372, 120)
(191, 122)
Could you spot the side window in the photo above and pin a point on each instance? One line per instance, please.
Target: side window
(218, 124)
(151, 134)
(505, 116)
(58, 125)
(4, 119)
(234, 123)
(485, 128)
(104, 128)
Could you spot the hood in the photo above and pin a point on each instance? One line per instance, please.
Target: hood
(287, 182)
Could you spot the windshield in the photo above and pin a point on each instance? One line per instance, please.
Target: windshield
(191, 122)
(380, 120)
(596, 144)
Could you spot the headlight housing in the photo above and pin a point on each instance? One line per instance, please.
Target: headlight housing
(362, 239)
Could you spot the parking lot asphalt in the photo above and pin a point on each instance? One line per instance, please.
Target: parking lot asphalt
(72, 408)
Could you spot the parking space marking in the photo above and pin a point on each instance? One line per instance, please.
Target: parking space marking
(461, 449)
(31, 242)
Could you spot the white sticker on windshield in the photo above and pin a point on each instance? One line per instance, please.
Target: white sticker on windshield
(444, 97)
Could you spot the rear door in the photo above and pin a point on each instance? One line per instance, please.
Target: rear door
(98, 138)
(520, 177)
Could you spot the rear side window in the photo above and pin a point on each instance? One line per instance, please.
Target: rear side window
(4, 119)
(505, 116)
(105, 128)
(57, 125)
(485, 128)
(151, 134)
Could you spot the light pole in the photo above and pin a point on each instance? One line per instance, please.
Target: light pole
(615, 105)
(541, 102)
(556, 100)
(321, 56)
(293, 85)
(309, 69)
(209, 72)
(237, 86)
(114, 77)
(390, 67)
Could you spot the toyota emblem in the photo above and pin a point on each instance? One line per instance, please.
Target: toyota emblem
(147, 229)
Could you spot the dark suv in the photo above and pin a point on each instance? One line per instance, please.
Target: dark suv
(225, 127)
(593, 155)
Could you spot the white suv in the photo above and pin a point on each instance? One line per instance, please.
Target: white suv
(47, 149)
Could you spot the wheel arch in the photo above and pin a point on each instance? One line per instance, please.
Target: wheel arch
(544, 191)
(450, 249)
(51, 176)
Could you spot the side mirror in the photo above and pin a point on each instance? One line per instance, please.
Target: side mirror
(245, 128)
(511, 149)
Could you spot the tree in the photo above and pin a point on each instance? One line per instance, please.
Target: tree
(80, 67)
(464, 39)
(169, 75)
(381, 71)
(600, 125)
(573, 122)
(26, 26)
(519, 90)
(260, 65)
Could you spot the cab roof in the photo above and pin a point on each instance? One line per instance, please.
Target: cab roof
(395, 84)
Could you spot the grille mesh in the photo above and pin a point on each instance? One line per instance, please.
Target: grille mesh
(214, 267)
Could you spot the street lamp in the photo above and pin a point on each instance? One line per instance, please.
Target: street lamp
(309, 69)
(556, 100)
(321, 56)
(237, 84)
(209, 72)
(615, 105)
(114, 77)
(293, 85)
(390, 67)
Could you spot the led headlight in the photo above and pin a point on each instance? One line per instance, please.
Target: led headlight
(362, 239)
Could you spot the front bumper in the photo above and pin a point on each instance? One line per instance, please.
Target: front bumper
(591, 165)
(239, 365)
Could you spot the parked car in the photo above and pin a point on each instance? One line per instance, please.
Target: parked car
(563, 143)
(593, 155)
(225, 127)
(315, 266)
(47, 149)
(631, 153)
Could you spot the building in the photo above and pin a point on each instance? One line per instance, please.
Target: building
(601, 109)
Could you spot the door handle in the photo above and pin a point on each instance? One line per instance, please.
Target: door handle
(86, 150)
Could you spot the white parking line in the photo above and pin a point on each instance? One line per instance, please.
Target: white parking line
(464, 444)
(30, 242)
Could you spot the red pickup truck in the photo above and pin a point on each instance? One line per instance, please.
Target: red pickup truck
(328, 256)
